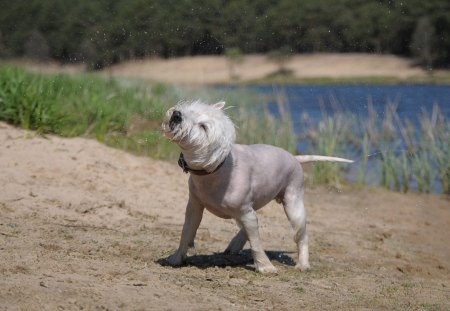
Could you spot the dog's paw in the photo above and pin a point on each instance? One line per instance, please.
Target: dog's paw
(175, 260)
(302, 267)
(267, 269)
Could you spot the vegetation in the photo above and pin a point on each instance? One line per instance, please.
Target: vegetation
(285, 78)
(281, 57)
(84, 106)
(128, 116)
(392, 151)
(123, 115)
(234, 57)
(105, 31)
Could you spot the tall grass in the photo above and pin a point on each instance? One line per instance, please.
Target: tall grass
(393, 152)
(416, 155)
(127, 114)
(401, 155)
(84, 105)
(256, 125)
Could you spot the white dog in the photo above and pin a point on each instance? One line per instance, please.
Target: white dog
(234, 181)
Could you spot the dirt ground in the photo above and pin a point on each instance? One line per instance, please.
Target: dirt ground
(201, 70)
(216, 69)
(84, 227)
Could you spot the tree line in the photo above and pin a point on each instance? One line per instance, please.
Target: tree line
(103, 32)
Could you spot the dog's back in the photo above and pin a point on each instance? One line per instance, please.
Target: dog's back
(272, 169)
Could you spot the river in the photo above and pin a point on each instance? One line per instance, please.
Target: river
(410, 102)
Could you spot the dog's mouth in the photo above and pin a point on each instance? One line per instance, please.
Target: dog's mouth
(168, 131)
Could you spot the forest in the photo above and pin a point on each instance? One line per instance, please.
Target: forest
(104, 32)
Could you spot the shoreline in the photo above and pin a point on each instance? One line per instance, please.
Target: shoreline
(441, 79)
(301, 69)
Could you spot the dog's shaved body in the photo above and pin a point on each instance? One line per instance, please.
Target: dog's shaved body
(240, 179)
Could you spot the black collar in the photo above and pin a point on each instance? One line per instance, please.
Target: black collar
(183, 164)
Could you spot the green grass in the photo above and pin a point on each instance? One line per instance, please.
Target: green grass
(123, 113)
(127, 114)
(84, 105)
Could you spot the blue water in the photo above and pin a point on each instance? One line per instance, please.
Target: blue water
(410, 100)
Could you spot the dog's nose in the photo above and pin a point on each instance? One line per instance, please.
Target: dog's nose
(175, 119)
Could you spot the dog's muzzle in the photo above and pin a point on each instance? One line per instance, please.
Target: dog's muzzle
(175, 119)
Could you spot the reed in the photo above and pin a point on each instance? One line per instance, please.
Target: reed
(409, 157)
(255, 122)
(256, 125)
(127, 114)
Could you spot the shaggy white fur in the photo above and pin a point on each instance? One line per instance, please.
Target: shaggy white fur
(205, 135)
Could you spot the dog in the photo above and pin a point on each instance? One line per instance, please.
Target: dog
(234, 181)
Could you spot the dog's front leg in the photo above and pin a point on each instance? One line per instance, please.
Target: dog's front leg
(249, 222)
(193, 217)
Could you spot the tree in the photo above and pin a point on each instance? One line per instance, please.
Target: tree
(280, 57)
(36, 47)
(121, 29)
(2, 46)
(234, 57)
(88, 54)
(422, 42)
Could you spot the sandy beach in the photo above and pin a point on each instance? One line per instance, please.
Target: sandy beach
(217, 69)
(205, 70)
(84, 227)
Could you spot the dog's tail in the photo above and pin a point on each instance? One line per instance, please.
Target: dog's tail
(318, 158)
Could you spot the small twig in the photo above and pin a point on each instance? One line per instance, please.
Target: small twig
(17, 199)
(71, 220)
(8, 235)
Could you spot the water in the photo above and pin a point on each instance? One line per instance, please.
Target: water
(410, 100)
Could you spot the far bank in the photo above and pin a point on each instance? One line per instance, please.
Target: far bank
(322, 68)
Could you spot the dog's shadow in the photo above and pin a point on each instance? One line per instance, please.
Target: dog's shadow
(243, 259)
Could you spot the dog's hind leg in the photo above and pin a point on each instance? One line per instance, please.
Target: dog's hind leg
(296, 213)
(237, 243)
(249, 222)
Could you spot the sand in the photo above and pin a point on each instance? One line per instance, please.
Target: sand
(214, 69)
(218, 69)
(84, 227)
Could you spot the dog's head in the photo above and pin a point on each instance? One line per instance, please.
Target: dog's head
(204, 132)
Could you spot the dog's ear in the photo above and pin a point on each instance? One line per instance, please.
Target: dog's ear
(219, 105)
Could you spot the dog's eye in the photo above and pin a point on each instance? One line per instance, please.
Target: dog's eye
(203, 127)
